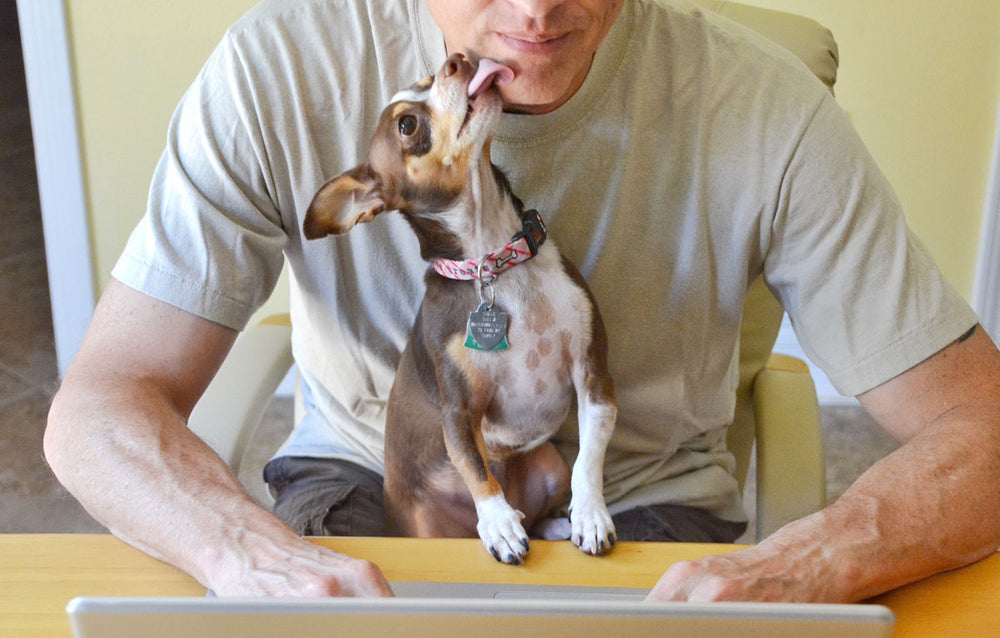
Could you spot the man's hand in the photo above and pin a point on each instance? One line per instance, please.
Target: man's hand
(309, 572)
(757, 574)
(718, 578)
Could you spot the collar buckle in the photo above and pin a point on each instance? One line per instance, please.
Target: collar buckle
(533, 231)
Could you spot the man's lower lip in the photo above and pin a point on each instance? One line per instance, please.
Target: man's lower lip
(532, 46)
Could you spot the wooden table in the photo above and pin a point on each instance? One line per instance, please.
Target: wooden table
(39, 574)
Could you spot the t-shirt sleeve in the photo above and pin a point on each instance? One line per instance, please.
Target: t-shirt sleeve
(863, 294)
(211, 240)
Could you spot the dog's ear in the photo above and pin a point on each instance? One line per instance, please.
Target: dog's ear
(343, 202)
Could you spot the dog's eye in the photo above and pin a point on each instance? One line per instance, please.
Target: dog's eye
(407, 125)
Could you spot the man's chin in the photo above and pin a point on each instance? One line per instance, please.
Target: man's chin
(525, 100)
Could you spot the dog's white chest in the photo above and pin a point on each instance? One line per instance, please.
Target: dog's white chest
(532, 381)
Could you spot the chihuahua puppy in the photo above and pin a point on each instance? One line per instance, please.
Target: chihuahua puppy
(506, 334)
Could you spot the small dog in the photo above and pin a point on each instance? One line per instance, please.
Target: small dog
(506, 332)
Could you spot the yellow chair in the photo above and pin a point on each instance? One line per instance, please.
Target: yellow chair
(777, 408)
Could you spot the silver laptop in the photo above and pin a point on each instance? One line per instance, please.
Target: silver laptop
(444, 610)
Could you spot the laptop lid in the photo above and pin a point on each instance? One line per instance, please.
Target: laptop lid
(93, 617)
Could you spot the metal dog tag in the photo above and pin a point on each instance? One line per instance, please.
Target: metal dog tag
(487, 329)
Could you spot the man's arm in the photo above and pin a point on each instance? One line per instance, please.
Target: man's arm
(117, 438)
(930, 506)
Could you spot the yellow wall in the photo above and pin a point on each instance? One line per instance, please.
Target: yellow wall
(133, 61)
(920, 78)
(921, 81)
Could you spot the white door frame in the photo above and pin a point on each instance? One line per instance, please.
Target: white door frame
(986, 290)
(52, 101)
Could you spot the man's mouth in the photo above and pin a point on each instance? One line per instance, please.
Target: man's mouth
(534, 43)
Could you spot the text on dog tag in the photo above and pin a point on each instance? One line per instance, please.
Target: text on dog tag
(487, 329)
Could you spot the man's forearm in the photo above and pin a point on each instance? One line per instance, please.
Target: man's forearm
(930, 506)
(118, 440)
(136, 467)
(128, 456)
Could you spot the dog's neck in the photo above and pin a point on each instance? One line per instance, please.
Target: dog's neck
(491, 217)
(481, 219)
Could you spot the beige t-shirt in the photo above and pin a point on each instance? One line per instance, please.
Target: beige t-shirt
(695, 157)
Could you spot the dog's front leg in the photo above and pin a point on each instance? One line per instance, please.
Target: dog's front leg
(592, 529)
(499, 525)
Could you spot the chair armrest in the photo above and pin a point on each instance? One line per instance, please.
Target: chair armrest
(229, 412)
(791, 475)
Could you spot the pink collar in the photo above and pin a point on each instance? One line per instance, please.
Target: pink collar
(522, 247)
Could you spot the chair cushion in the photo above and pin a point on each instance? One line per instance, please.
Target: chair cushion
(810, 41)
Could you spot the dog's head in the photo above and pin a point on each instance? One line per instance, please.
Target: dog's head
(428, 141)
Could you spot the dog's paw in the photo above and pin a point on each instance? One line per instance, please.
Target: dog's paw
(501, 531)
(592, 529)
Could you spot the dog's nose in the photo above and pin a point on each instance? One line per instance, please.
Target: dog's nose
(453, 64)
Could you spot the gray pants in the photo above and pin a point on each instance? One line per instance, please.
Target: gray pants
(332, 497)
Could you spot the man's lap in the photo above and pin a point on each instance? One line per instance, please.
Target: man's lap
(326, 497)
(334, 497)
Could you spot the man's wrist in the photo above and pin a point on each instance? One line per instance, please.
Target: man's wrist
(253, 543)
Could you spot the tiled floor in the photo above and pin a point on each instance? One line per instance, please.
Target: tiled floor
(30, 498)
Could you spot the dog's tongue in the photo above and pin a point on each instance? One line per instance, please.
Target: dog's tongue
(488, 73)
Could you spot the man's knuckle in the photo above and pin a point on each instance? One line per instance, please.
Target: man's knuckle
(364, 568)
(684, 570)
(718, 588)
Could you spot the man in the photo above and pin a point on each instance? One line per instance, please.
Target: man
(675, 157)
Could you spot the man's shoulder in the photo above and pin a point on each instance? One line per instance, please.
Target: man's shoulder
(690, 46)
(693, 24)
(291, 45)
(335, 17)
